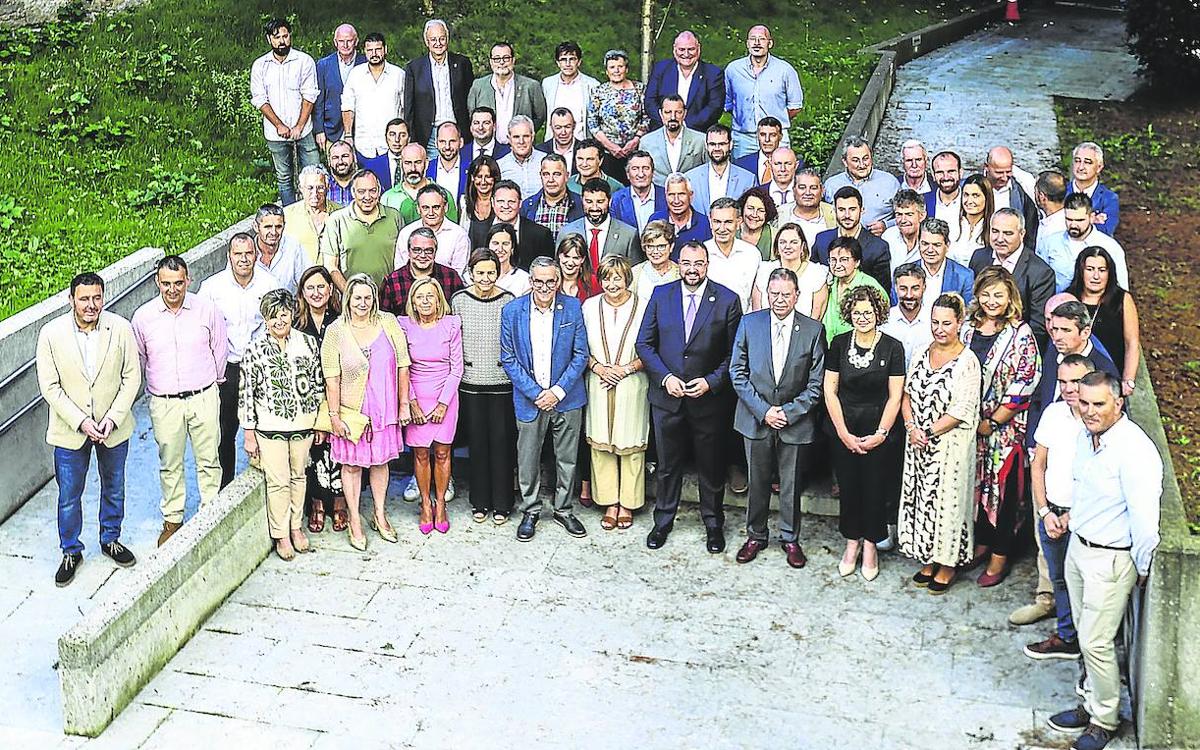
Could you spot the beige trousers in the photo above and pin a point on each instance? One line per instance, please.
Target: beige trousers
(1099, 582)
(1045, 589)
(283, 462)
(174, 421)
(619, 479)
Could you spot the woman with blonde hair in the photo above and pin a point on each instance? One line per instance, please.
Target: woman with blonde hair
(657, 240)
(791, 251)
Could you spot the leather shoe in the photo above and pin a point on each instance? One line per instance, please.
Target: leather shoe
(168, 530)
(657, 537)
(750, 550)
(738, 481)
(527, 528)
(715, 542)
(572, 524)
(795, 555)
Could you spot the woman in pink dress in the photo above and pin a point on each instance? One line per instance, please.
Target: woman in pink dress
(435, 347)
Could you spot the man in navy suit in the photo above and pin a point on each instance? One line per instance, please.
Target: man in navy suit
(703, 91)
(331, 77)
(685, 341)
(436, 86)
(544, 351)
(758, 163)
(1087, 161)
(635, 203)
(941, 273)
(387, 166)
(777, 366)
(483, 137)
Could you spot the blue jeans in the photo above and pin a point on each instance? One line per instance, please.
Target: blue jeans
(71, 469)
(1055, 551)
(286, 169)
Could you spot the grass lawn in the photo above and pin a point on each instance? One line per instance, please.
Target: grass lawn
(135, 130)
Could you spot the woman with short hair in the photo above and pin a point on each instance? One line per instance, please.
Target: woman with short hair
(758, 212)
(617, 116)
(657, 240)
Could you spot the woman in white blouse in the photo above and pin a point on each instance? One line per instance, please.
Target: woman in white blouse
(791, 252)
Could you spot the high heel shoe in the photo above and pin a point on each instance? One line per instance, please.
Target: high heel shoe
(846, 569)
(386, 532)
(870, 574)
(425, 528)
(359, 544)
(442, 527)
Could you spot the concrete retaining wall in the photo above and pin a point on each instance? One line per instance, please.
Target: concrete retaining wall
(153, 610)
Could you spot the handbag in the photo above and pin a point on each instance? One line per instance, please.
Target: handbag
(356, 422)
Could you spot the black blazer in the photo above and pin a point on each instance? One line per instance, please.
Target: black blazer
(1035, 280)
(420, 105)
(533, 240)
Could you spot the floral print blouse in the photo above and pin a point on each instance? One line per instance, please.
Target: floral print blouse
(281, 389)
(619, 113)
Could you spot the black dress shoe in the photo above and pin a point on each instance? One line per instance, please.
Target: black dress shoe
(119, 554)
(66, 570)
(527, 528)
(656, 538)
(715, 542)
(572, 524)
(750, 550)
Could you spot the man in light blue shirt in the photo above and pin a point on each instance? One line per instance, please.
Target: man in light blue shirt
(757, 86)
(876, 186)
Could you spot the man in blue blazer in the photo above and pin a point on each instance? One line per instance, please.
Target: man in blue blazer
(641, 192)
(705, 97)
(685, 341)
(933, 244)
(1087, 161)
(544, 351)
(331, 77)
(718, 144)
(776, 368)
(483, 137)
(770, 134)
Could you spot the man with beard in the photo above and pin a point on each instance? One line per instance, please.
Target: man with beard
(718, 177)
(414, 164)
(689, 224)
(641, 199)
(283, 86)
(553, 206)
(674, 147)
(847, 208)
(449, 170)
(387, 166)
(361, 238)
(506, 92)
(373, 97)
(1060, 250)
(342, 165)
(908, 321)
(945, 202)
(808, 210)
(275, 252)
(603, 234)
(902, 238)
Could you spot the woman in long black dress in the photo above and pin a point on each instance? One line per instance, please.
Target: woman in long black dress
(1114, 315)
(864, 385)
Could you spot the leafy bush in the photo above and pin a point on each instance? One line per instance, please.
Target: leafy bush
(162, 187)
(1165, 37)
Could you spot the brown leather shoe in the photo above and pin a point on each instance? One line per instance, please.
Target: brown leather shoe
(795, 555)
(168, 530)
(750, 550)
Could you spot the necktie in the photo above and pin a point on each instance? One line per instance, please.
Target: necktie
(777, 351)
(689, 318)
(398, 174)
(766, 172)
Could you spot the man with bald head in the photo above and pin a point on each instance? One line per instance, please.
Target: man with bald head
(783, 178)
(1008, 193)
(700, 85)
(760, 85)
(332, 71)
(414, 166)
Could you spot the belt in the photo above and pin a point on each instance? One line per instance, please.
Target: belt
(1086, 543)
(185, 394)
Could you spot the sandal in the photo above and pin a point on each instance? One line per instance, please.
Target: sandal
(316, 519)
(609, 522)
(499, 519)
(479, 516)
(341, 515)
(624, 518)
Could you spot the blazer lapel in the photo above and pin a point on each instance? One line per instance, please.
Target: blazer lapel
(707, 303)
(102, 347)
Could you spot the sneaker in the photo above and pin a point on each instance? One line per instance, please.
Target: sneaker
(119, 553)
(66, 571)
(1041, 608)
(449, 489)
(1053, 648)
(411, 493)
(1095, 737)
(1071, 720)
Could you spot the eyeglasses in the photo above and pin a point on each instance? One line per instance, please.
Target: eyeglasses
(501, 58)
(862, 314)
(544, 283)
(656, 246)
(422, 251)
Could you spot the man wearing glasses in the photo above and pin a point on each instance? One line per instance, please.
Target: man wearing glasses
(569, 88)
(507, 93)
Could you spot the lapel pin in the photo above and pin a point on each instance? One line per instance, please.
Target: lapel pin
(712, 299)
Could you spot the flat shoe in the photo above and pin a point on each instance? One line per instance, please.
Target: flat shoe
(937, 588)
(286, 556)
(987, 580)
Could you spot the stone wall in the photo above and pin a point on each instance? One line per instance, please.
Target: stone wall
(32, 12)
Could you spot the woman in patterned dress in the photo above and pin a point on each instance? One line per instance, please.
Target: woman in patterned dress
(617, 116)
(941, 410)
(1008, 357)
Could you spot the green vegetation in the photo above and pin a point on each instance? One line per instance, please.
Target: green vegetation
(135, 129)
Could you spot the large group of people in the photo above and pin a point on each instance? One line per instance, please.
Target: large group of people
(645, 290)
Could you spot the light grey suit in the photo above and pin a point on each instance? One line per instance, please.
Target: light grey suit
(797, 392)
(691, 154)
(738, 181)
(528, 99)
(621, 239)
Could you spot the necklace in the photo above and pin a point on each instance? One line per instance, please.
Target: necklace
(862, 361)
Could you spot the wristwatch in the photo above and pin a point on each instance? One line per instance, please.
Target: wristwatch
(1131, 384)
(993, 424)
(1043, 511)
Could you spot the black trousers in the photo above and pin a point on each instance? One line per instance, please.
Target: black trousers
(698, 429)
(1002, 538)
(492, 443)
(227, 450)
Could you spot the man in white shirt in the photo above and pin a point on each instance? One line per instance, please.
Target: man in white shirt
(1050, 192)
(732, 263)
(449, 170)
(561, 138)
(1114, 521)
(235, 291)
(902, 238)
(283, 86)
(453, 247)
(519, 165)
(569, 89)
(1060, 250)
(374, 96)
(908, 320)
(278, 254)
(808, 211)
(675, 147)
(947, 198)
(914, 167)
(783, 173)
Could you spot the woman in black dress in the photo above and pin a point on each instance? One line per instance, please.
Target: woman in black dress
(1114, 316)
(864, 385)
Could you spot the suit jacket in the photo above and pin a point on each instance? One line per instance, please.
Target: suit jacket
(749, 162)
(420, 104)
(1044, 395)
(1104, 201)
(705, 98)
(381, 168)
(71, 396)
(533, 239)
(798, 392)
(698, 231)
(691, 154)
(876, 256)
(529, 206)
(621, 238)
(663, 350)
(621, 205)
(1019, 201)
(956, 278)
(568, 359)
(327, 112)
(1035, 280)
(499, 151)
(431, 173)
(547, 147)
(550, 86)
(739, 181)
(528, 99)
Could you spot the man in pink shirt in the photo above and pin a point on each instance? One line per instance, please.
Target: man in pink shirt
(182, 344)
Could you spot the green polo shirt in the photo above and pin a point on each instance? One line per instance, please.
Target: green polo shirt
(351, 245)
(399, 199)
(576, 187)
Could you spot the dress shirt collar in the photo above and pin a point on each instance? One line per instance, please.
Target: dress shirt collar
(786, 321)
(602, 226)
(700, 290)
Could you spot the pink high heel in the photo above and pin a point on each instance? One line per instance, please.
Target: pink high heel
(442, 528)
(425, 528)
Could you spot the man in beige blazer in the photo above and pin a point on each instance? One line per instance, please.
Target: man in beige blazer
(89, 375)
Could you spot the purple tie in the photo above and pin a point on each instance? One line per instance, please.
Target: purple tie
(689, 318)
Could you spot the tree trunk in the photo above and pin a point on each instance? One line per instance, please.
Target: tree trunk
(647, 39)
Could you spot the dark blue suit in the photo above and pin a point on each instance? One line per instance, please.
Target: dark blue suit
(705, 99)
(380, 166)
(568, 360)
(621, 205)
(499, 151)
(697, 231)
(1104, 201)
(876, 256)
(420, 100)
(431, 173)
(529, 206)
(327, 112)
(697, 425)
